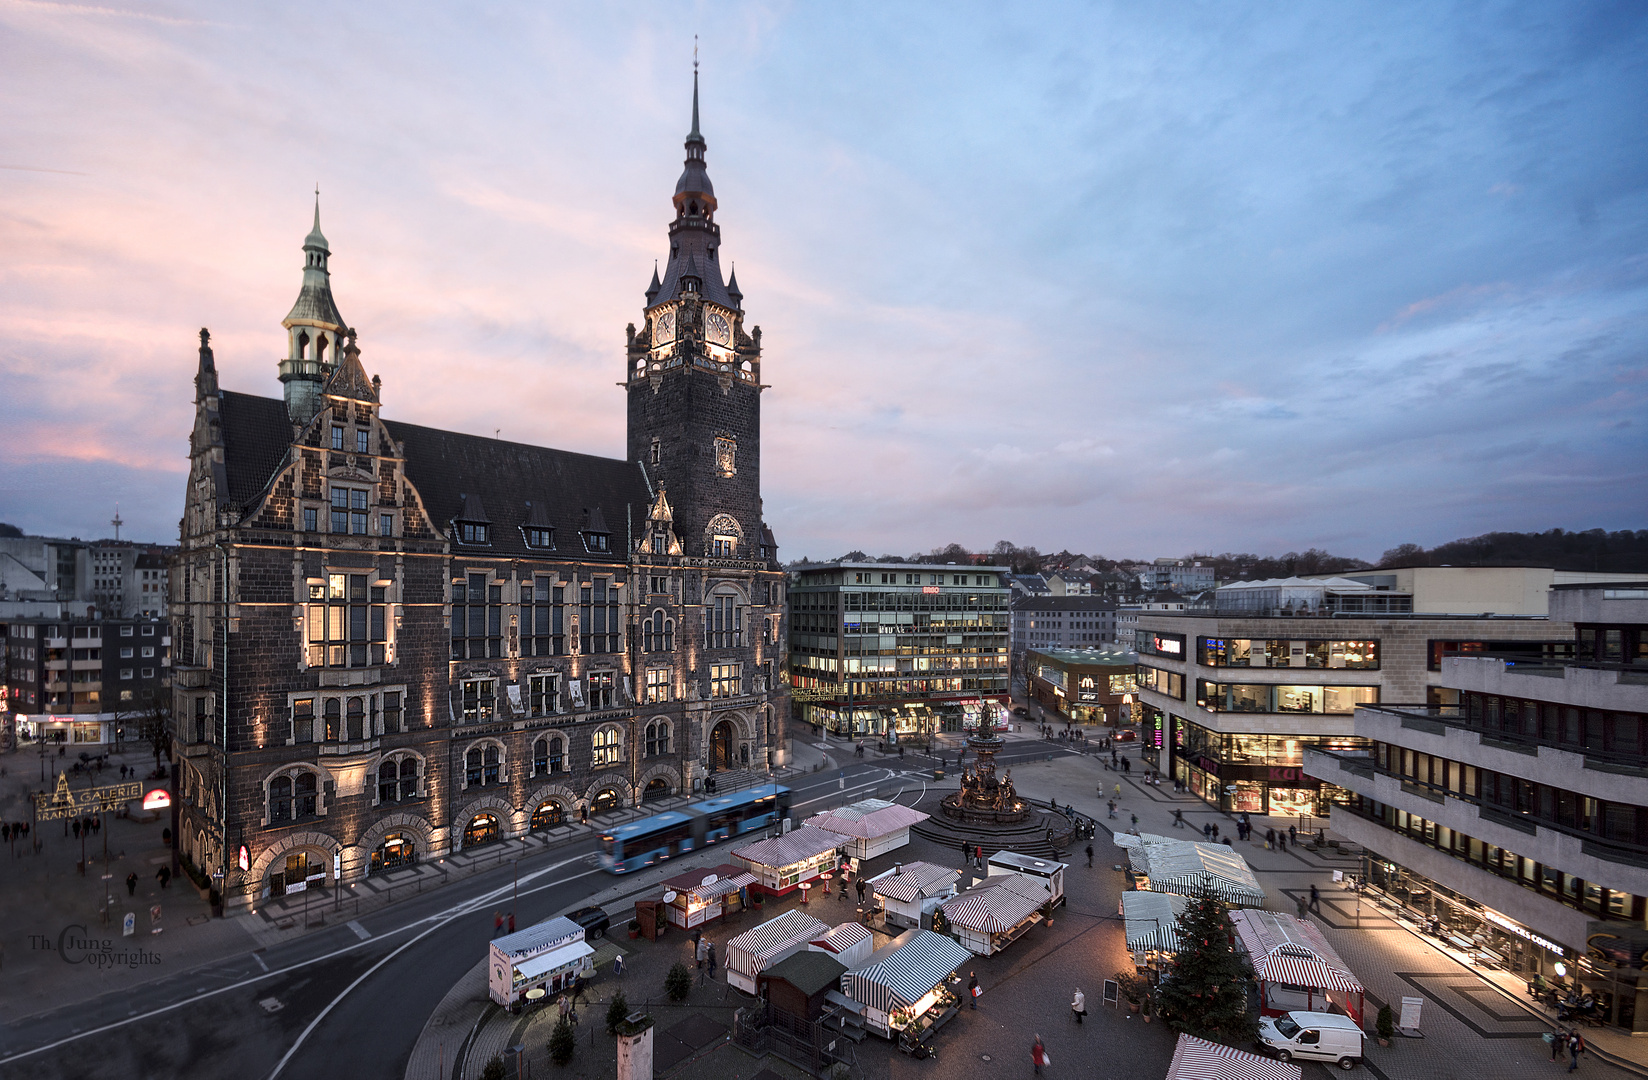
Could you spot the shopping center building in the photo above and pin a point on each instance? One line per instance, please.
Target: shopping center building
(1516, 814)
(897, 649)
(1232, 698)
(1088, 686)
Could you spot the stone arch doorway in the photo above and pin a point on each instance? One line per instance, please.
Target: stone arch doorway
(723, 746)
(396, 850)
(606, 799)
(657, 788)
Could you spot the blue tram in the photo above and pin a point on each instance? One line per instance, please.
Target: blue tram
(674, 832)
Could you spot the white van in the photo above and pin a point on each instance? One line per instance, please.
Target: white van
(1312, 1036)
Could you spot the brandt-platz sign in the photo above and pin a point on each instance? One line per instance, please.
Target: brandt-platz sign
(65, 802)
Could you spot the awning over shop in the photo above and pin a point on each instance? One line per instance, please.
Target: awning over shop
(1198, 1059)
(1285, 949)
(547, 962)
(776, 935)
(1151, 921)
(909, 882)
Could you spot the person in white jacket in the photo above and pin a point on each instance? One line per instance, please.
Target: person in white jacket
(1078, 1005)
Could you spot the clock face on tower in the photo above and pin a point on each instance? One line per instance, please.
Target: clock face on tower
(665, 326)
(716, 328)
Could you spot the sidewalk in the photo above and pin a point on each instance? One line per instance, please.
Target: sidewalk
(1469, 1015)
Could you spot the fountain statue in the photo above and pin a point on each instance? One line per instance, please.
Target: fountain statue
(985, 798)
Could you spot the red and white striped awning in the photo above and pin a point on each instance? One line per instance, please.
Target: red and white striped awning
(1288, 950)
(1198, 1059)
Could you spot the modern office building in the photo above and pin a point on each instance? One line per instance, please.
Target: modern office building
(1231, 698)
(1516, 814)
(883, 649)
(1087, 685)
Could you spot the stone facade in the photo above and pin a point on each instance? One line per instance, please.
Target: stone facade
(394, 642)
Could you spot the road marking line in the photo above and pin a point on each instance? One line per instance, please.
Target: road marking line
(260, 962)
(360, 931)
(465, 907)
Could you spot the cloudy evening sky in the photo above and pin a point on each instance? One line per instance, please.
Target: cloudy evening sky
(1133, 279)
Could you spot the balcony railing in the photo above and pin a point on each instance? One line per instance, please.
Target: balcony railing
(1437, 719)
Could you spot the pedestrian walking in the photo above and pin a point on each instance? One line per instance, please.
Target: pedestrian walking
(1559, 1041)
(76, 828)
(1078, 1005)
(860, 887)
(712, 959)
(702, 952)
(1127, 765)
(1315, 900)
(1038, 1055)
(974, 990)
(1293, 836)
(1090, 855)
(1135, 821)
(565, 1006)
(1576, 1047)
(1118, 791)
(1270, 839)
(131, 883)
(1111, 805)
(497, 924)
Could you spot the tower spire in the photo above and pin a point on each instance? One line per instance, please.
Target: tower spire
(314, 329)
(694, 135)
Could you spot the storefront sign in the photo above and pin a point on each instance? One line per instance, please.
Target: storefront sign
(1522, 932)
(1167, 646)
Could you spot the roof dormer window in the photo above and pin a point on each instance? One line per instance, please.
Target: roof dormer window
(539, 538)
(598, 541)
(689, 284)
(473, 532)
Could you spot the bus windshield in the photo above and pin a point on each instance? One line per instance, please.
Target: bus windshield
(606, 844)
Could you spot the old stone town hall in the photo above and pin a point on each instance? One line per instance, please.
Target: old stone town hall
(395, 642)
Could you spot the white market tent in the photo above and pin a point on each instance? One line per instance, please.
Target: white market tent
(1191, 868)
(783, 862)
(1296, 967)
(1198, 1059)
(998, 912)
(753, 951)
(909, 890)
(1151, 922)
(903, 976)
(870, 827)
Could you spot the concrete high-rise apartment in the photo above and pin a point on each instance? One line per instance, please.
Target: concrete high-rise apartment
(1515, 813)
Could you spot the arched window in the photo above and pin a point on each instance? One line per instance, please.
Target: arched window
(491, 776)
(357, 719)
(320, 348)
(481, 766)
(303, 795)
(607, 748)
(548, 815)
(658, 633)
(540, 757)
(303, 344)
(723, 622)
(409, 778)
(557, 754)
(472, 767)
(280, 799)
(658, 736)
(334, 719)
(388, 781)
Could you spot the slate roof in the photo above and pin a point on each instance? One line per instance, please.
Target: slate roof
(256, 437)
(809, 972)
(448, 467)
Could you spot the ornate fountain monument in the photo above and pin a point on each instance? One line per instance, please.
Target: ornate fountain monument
(985, 799)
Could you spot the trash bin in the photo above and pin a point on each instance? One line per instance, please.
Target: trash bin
(938, 774)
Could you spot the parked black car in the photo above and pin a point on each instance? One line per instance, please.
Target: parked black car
(593, 920)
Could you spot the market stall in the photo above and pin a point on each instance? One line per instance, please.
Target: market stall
(549, 955)
(797, 984)
(1198, 1059)
(1151, 923)
(851, 943)
(752, 952)
(1297, 969)
(870, 827)
(782, 863)
(1049, 871)
(910, 892)
(997, 913)
(1191, 868)
(903, 988)
(702, 896)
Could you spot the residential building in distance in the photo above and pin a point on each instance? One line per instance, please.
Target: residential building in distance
(1182, 576)
(1515, 814)
(882, 649)
(1087, 685)
(1063, 622)
(1231, 698)
(396, 641)
(50, 577)
(86, 681)
(129, 580)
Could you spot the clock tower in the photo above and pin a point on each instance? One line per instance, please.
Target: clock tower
(694, 382)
